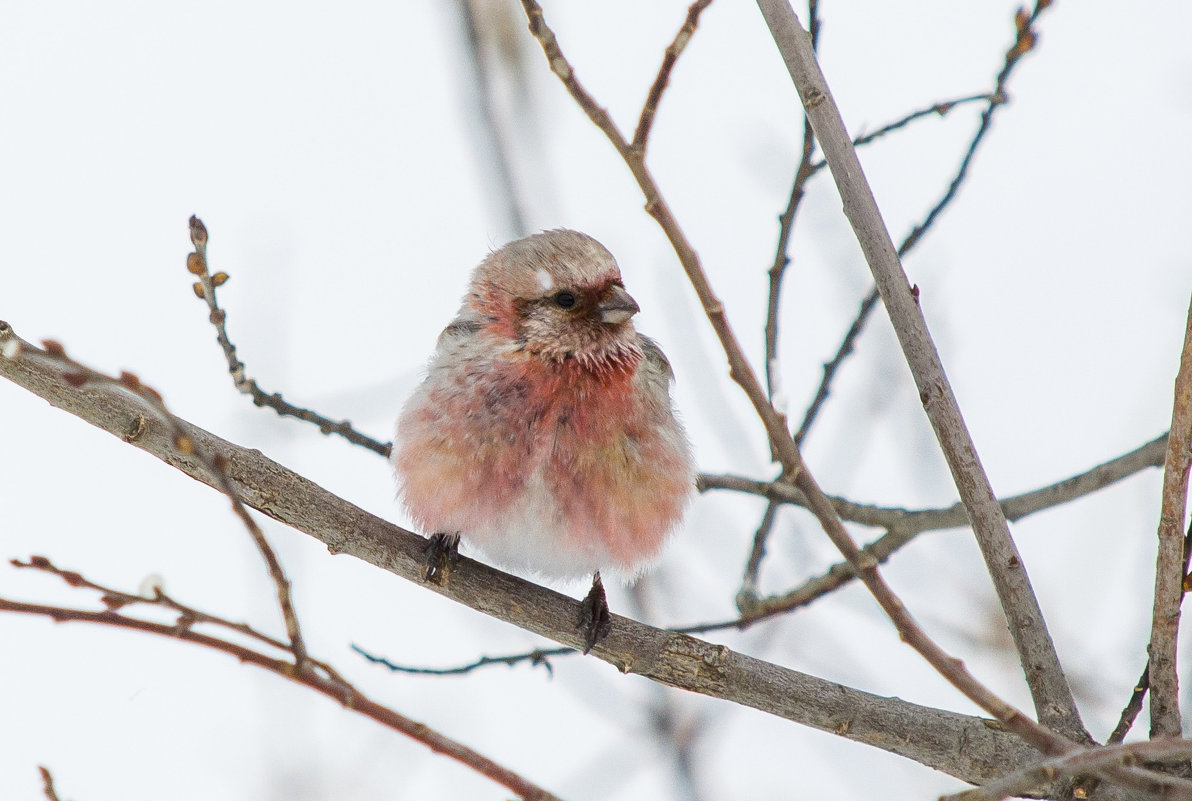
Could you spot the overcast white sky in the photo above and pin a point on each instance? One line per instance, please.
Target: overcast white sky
(334, 158)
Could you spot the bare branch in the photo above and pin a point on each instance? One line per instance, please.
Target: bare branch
(79, 376)
(1045, 677)
(1111, 760)
(539, 656)
(903, 525)
(645, 122)
(1170, 562)
(47, 782)
(784, 446)
(326, 682)
(747, 596)
(970, 748)
(196, 263)
(1132, 708)
(1134, 705)
(1025, 40)
(914, 521)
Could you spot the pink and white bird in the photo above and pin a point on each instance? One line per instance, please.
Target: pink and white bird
(544, 434)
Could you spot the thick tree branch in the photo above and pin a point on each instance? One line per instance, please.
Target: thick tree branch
(1044, 675)
(970, 748)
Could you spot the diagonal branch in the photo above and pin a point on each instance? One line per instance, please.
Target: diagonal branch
(1169, 568)
(80, 376)
(1025, 41)
(329, 683)
(645, 122)
(1044, 675)
(970, 748)
(973, 749)
(904, 525)
(196, 264)
(47, 783)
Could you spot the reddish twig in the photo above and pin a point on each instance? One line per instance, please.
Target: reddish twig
(47, 783)
(196, 263)
(79, 375)
(323, 680)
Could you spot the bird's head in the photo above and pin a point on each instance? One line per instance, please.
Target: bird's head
(559, 295)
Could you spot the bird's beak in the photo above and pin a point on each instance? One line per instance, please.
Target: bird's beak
(617, 307)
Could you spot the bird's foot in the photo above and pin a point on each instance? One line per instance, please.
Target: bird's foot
(594, 620)
(441, 551)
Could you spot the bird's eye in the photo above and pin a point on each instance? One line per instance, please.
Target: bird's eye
(565, 300)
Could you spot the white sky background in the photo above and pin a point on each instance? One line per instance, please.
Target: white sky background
(333, 157)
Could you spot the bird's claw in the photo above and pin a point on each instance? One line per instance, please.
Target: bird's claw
(441, 551)
(594, 617)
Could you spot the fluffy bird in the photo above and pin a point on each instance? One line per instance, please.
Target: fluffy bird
(544, 434)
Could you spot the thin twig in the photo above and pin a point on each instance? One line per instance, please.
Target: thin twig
(79, 375)
(328, 683)
(908, 522)
(196, 263)
(186, 616)
(786, 227)
(47, 783)
(645, 122)
(1132, 708)
(1045, 677)
(903, 525)
(847, 345)
(1025, 40)
(747, 597)
(539, 656)
(1134, 705)
(1107, 760)
(1169, 567)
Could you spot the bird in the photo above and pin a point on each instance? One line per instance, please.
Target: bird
(544, 434)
